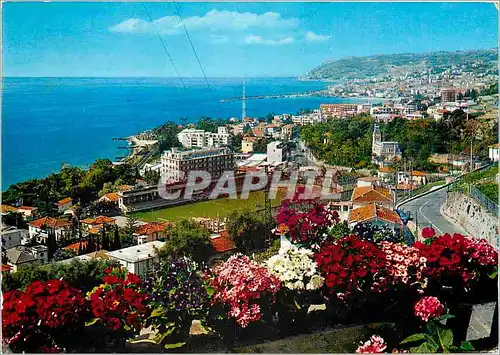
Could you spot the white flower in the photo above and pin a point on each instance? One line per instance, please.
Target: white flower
(296, 268)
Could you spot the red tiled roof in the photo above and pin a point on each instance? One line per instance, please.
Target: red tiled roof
(7, 208)
(50, 222)
(222, 243)
(94, 230)
(75, 246)
(64, 201)
(6, 268)
(125, 187)
(111, 196)
(249, 139)
(369, 178)
(27, 208)
(405, 187)
(417, 173)
(371, 211)
(99, 220)
(386, 169)
(371, 194)
(151, 228)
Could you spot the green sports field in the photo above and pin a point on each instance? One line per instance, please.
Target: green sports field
(211, 208)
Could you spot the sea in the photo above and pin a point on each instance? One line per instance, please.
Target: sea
(50, 121)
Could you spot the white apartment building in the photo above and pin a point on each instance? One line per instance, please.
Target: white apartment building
(493, 151)
(191, 138)
(138, 259)
(276, 152)
(309, 118)
(176, 164)
(12, 237)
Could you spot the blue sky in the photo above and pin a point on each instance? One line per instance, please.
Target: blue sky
(232, 39)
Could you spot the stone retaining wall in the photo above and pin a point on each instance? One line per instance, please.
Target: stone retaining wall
(471, 216)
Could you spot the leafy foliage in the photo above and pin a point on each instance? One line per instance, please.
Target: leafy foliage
(344, 142)
(188, 239)
(83, 275)
(81, 185)
(247, 231)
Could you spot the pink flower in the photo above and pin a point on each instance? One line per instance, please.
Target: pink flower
(240, 283)
(375, 345)
(428, 307)
(428, 232)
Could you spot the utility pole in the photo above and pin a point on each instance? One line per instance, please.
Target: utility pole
(267, 210)
(416, 223)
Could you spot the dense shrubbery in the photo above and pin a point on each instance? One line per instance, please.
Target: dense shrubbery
(79, 274)
(82, 185)
(348, 141)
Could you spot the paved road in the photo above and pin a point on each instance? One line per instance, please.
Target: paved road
(309, 159)
(426, 210)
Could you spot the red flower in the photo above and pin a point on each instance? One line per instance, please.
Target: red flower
(111, 279)
(352, 265)
(428, 232)
(120, 302)
(428, 307)
(132, 279)
(113, 323)
(375, 345)
(460, 258)
(41, 312)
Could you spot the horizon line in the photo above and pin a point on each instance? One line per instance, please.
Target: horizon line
(149, 77)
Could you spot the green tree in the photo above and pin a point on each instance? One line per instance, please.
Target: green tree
(260, 145)
(104, 239)
(116, 244)
(188, 238)
(269, 117)
(51, 242)
(15, 219)
(152, 177)
(63, 254)
(83, 275)
(247, 231)
(236, 142)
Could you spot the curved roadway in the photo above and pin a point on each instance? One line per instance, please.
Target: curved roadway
(426, 212)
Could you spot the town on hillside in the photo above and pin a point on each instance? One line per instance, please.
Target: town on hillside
(128, 221)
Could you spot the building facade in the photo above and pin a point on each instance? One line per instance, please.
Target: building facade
(493, 152)
(12, 237)
(276, 152)
(138, 259)
(247, 144)
(197, 138)
(387, 150)
(448, 95)
(176, 164)
(22, 256)
(339, 110)
(39, 228)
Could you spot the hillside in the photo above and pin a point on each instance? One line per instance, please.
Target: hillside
(480, 61)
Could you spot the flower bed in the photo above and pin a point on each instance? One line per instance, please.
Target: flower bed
(241, 301)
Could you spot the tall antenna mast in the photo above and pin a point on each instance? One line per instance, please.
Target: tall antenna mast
(244, 102)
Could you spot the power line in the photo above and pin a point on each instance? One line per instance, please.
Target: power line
(194, 51)
(164, 46)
